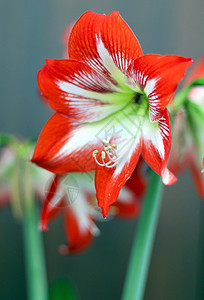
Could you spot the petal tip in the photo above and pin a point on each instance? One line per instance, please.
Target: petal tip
(105, 211)
(43, 227)
(168, 178)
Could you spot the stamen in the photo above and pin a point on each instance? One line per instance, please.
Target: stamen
(111, 154)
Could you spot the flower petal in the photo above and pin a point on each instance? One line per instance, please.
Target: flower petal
(182, 148)
(64, 146)
(137, 182)
(198, 176)
(80, 228)
(109, 181)
(127, 204)
(104, 42)
(78, 91)
(156, 146)
(52, 204)
(158, 76)
(79, 236)
(197, 71)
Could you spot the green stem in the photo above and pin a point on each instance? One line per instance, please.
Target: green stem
(33, 244)
(142, 247)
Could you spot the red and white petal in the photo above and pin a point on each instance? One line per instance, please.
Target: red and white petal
(198, 176)
(137, 182)
(156, 144)
(157, 76)
(53, 203)
(78, 238)
(197, 71)
(78, 91)
(182, 148)
(127, 204)
(64, 146)
(109, 181)
(79, 225)
(104, 42)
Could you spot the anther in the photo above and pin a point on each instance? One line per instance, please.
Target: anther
(105, 143)
(103, 154)
(95, 152)
(114, 146)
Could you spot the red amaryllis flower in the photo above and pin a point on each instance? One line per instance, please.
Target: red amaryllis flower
(188, 137)
(110, 101)
(74, 196)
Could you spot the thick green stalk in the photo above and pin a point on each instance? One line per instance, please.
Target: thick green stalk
(142, 246)
(33, 244)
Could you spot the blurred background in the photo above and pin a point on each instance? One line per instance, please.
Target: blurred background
(31, 31)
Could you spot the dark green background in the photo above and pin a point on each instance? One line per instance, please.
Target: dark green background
(30, 31)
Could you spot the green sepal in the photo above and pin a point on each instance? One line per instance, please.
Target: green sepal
(7, 139)
(196, 113)
(195, 120)
(182, 96)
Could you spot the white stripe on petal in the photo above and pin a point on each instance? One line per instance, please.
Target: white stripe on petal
(108, 62)
(153, 133)
(81, 137)
(150, 85)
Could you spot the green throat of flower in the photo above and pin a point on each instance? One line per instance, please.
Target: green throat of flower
(131, 118)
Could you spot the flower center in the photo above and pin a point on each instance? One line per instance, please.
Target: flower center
(138, 98)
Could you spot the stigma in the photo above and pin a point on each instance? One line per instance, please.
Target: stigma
(109, 153)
